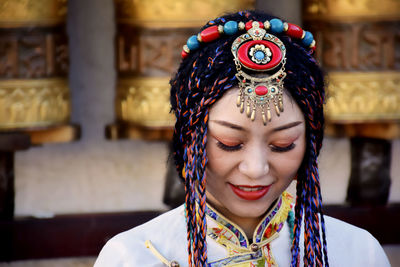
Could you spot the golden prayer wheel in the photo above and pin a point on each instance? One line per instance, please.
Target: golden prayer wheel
(34, 89)
(358, 44)
(150, 35)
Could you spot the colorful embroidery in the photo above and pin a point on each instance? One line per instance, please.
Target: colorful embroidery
(230, 236)
(241, 258)
(222, 221)
(261, 229)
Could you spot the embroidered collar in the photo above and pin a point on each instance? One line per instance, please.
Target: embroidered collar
(226, 232)
(239, 251)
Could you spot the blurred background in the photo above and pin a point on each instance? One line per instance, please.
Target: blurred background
(84, 122)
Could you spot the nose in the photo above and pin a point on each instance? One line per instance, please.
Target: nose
(254, 164)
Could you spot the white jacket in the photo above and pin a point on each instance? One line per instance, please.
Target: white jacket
(162, 240)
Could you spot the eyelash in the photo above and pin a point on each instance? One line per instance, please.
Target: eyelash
(281, 149)
(229, 148)
(237, 147)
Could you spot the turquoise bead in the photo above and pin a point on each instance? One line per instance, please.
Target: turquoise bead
(231, 27)
(276, 25)
(308, 38)
(259, 55)
(193, 43)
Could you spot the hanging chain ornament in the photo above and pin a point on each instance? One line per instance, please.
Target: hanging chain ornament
(260, 64)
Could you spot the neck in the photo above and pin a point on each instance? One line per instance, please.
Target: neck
(247, 224)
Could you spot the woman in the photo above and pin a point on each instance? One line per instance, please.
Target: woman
(248, 99)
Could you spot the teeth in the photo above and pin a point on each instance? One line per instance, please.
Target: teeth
(250, 189)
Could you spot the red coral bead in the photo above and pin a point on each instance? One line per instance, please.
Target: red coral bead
(294, 31)
(210, 34)
(261, 90)
(249, 25)
(184, 54)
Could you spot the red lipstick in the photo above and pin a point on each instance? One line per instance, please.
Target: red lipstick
(250, 192)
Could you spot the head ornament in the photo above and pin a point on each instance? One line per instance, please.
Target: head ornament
(260, 59)
(254, 52)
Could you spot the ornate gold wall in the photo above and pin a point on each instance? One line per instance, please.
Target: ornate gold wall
(33, 64)
(175, 14)
(359, 45)
(150, 36)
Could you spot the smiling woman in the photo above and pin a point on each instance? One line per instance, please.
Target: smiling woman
(249, 164)
(248, 99)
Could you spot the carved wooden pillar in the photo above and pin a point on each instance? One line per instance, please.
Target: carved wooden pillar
(34, 64)
(150, 35)
(359, 45)
(34, 94)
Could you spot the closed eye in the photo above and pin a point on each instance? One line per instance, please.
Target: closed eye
(281, 149)
(229, 148)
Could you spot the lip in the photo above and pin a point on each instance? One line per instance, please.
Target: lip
(247, 192)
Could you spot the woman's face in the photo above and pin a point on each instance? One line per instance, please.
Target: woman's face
(249, 164)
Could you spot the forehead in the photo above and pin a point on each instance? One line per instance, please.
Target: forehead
(225, 109)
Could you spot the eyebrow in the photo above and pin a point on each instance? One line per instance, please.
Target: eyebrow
(229, 125)
(287, 126)
(240, 128)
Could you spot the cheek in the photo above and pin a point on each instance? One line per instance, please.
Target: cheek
(292, 166)
(289, 164)
(220, 166)
(214, 171)
(217, 160)
(296, 159)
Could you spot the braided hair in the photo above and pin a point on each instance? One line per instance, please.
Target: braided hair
(202, 78)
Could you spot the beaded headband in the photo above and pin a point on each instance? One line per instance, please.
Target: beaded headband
(254, 52)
